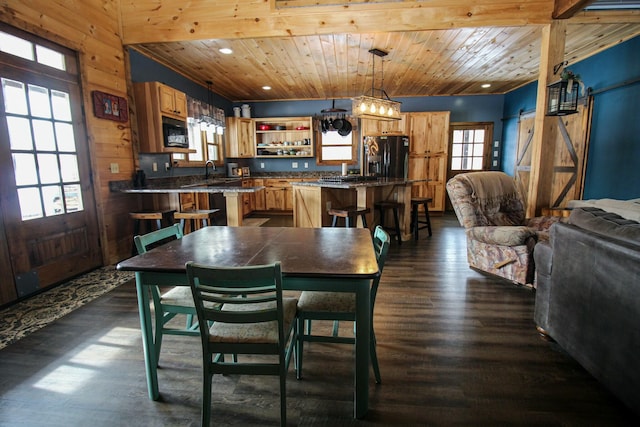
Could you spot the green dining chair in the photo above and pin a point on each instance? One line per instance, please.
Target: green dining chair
(261, 322)
(336, 306)
(176, 301)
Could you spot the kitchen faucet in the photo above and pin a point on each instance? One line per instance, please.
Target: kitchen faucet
(206, 168)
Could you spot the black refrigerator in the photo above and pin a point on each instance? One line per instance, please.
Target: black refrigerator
(386, 156)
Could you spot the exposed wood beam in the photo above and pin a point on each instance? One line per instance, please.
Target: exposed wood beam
(567, 8)
(606, 17)
(148, 21)
(545, 128)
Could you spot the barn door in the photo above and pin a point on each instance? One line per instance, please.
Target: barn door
(569, 159)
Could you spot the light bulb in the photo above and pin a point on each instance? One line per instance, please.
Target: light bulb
(373, 107)
(363, 107)
(381, 110)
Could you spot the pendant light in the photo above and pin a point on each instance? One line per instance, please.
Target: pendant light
(371, 106)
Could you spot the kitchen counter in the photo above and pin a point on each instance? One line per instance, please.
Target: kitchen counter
(231, 188)
(312, 200)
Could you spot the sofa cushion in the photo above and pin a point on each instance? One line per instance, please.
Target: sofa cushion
(606, 223)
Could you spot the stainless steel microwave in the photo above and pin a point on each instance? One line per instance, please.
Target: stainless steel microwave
(175, 133)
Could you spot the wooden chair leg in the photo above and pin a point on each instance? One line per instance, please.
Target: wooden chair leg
(374, 358)
(300, 346)
(207, 381)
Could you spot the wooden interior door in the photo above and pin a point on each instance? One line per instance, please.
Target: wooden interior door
(570, 154)
(428, 154)
(46, 195)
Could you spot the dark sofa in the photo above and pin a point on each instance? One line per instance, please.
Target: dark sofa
(588, 296)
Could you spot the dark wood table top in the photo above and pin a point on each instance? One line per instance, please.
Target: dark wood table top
(303, 252)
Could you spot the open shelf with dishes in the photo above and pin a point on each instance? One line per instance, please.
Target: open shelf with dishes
(284, 137)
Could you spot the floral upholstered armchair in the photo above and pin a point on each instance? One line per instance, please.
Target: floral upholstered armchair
(500, 240)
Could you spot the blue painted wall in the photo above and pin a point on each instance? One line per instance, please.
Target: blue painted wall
(613, 165)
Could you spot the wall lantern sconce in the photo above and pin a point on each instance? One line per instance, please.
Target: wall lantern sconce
(562, 96)
(372, 107)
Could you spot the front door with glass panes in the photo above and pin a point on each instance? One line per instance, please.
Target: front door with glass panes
(48, 207)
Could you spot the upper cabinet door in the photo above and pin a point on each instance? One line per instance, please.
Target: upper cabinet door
(172, 102)
(429, 132)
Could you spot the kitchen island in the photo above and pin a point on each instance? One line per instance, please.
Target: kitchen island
(231, 189)
(312, 200)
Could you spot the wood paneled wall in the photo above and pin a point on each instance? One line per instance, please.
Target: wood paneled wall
(92, 27)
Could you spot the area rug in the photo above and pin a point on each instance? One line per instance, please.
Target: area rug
(29, 315)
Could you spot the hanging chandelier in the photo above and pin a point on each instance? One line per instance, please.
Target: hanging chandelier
(371, 106)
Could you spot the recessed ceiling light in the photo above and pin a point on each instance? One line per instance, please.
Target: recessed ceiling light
(225, 50)
(486, 85)
(266, 87)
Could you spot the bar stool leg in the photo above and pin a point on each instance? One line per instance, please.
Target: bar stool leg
(364, 220)
(397, 225)
(381, 210)
(414, 221)
(428, 218)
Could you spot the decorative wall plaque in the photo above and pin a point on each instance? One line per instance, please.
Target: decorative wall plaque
(110, 107)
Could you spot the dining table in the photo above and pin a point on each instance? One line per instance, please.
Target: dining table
(312, 259)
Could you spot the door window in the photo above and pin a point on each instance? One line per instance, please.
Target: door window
(43, 149)
(470, 146)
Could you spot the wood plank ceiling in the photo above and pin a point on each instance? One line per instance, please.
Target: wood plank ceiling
(315, 63)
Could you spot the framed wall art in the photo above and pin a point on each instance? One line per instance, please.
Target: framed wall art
(110, 107)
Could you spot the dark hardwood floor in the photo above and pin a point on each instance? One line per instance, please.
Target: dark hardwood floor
(455, 348)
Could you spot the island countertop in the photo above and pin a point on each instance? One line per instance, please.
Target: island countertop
(194, 189)
(354, 183)
(216, 185)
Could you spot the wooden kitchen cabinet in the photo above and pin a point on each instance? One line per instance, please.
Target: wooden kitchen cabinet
(247, 199)
(286, 137)
(276, 193)
(288, 194)
(240, 139)
(150, 108)
(428, 153)
(385, 127)
(173, 103)
(259, 196)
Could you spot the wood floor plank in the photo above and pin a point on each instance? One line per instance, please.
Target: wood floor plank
(455, 347)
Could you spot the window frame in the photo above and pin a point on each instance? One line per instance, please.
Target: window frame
(487, 127)
(319, 144)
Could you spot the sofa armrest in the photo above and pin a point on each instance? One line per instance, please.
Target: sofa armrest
(504, 235)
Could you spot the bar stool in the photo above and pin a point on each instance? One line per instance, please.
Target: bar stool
(415, 222)
(383, 207)
(347, 213)
(204, 215)
(148, 216)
